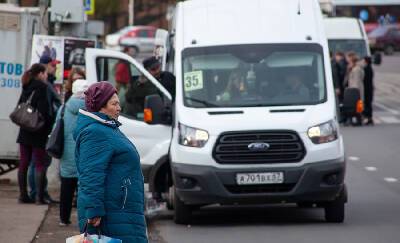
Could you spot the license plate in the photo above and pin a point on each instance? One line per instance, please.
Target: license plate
(259, 178)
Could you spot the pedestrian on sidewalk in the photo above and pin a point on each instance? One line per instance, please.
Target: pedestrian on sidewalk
(68, 171)
(32, 144)
(369, 90)
(111, 187)
(54, 101)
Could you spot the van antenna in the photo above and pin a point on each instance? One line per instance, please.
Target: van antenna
(299, 7)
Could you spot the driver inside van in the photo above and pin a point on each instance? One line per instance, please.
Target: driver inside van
(294, 86)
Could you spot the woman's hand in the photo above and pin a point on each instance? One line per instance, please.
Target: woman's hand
(95, 221)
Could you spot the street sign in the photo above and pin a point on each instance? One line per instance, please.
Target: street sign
(89, 7)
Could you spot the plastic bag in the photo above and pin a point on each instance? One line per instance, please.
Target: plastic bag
(91, 239)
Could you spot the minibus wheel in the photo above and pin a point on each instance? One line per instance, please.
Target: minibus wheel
(183, 212)
(335, 210)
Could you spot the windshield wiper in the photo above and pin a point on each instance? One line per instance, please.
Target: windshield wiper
(206, 103)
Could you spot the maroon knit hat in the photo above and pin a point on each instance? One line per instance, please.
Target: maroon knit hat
(98, 95)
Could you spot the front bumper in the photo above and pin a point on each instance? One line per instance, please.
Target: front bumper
(314, 182)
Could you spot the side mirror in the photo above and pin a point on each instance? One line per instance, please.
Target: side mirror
(377, 58)
(157, 110)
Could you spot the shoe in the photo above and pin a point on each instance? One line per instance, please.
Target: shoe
(40, 177)
(369, 122)
(51, 200)
(64, 224)
(26, 200)
(22, 182)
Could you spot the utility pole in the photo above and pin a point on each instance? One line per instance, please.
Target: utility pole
(131, 12)
(44, 16)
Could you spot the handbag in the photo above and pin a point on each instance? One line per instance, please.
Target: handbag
(27, 117)
(86, 238)
(55, 143)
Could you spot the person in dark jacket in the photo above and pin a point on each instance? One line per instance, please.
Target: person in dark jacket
(32, 144)
(54, 102)
(368, 90)
(110, 180)
(165, 78)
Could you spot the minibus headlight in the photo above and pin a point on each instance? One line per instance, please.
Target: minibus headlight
(192, 137)
(324, 133)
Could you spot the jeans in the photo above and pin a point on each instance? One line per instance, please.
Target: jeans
(31, 179)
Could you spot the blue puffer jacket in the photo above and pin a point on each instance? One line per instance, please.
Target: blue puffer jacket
(67, 161)
(110, 179)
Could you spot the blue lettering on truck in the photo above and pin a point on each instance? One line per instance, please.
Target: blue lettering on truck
(10, 74)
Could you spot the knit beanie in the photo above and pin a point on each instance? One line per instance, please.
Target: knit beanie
(98, 95)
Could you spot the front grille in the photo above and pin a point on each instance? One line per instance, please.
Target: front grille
(284, 147)
(273, 188)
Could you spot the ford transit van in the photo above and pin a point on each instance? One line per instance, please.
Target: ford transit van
(254, 118)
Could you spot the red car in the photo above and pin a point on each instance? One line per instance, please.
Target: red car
(385, 38)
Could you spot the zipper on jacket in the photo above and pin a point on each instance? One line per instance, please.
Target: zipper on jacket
(125, 185)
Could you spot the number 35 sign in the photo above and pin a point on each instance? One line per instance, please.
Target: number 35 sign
(193, 80)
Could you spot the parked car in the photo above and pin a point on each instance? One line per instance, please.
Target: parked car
(385, 38)
(112, 40)
(141, 38)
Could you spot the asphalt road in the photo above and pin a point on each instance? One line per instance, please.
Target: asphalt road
(373, 179)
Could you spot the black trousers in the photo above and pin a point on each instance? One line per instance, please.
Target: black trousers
(68, 188)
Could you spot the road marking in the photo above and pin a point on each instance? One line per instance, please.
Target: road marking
(391, 179)
(354, 158)
(389, 119)
(384, 107)
(371, 168)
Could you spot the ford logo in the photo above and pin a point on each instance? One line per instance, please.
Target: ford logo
(258, 146)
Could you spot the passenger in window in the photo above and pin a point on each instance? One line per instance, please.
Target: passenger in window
(167, 79)
(135, 96)
(122, 71)
(294, 86)
(234, 89)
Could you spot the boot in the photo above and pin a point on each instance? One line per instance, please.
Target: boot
(23, 192)
(40, 177)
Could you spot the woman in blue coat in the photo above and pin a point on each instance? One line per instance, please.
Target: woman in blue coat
(110, 187)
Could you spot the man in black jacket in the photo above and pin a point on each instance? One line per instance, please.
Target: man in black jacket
(167, 79)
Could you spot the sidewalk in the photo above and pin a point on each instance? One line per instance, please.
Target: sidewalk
(19, 222)
(29, 223)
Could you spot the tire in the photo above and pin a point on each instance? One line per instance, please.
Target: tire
(182, 212)
(389, 50)
(171, 198)
(335, 210)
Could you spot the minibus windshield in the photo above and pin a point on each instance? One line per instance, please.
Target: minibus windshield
(253, 75)
(357, 46)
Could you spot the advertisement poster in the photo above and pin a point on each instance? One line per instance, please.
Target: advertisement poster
(51, 46)
(74, 53)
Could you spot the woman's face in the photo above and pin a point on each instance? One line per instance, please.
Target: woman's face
(112, 108)
(42, 76)
(76, 76)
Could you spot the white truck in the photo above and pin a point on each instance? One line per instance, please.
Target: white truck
(348, 34)
(254, 118)
(17, 26)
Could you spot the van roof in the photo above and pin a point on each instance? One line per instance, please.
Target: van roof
(343, 28)
(217, 22)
